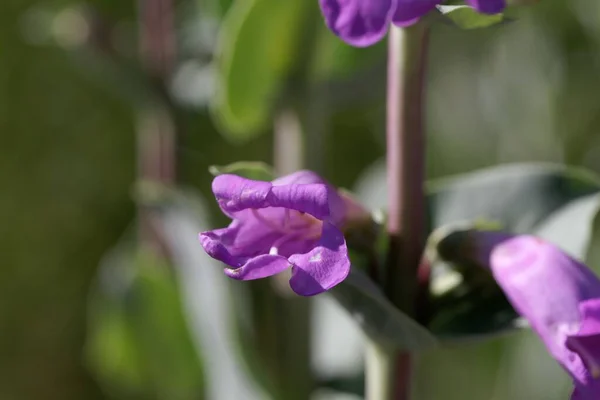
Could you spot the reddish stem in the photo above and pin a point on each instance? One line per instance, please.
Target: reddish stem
(156, 132)
(406, 175)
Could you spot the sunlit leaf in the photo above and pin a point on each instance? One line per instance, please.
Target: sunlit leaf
(248, 169)
(572, 227)
(258, 49)
(518, 196)
(466, 17)
(378, 317)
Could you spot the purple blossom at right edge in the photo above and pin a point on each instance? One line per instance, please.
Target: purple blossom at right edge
(559, 296)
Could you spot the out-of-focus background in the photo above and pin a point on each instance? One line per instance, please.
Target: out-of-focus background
(78, 321)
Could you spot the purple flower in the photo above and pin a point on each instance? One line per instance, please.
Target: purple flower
(559, 296)
(293, 222)
(362, 23)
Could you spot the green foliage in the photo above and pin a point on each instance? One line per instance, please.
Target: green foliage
(334, 59)
(257, 55)
(592, 256)
(572, 228)
(248, 169)
(262, 58)
(378, 317)
(466, 17)
(518, 196)
(139, 344)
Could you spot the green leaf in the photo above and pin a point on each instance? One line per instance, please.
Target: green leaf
(258, 43)
(572, 227)
(139, 343)
(334, 59)
(379, 318)
(592, 257)
(466, 17)
(518, 196)
(248, 169)
(473, 312)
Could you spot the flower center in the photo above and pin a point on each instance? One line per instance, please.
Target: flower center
(292, 222)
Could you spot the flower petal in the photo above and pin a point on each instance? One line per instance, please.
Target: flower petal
(240, 241)
(408, 12)
(586, 342)
(326, 265)
(360, 23)
(488, 6)
(298, 178)
(559, 296)
(259, 267)
(313, 199)
(547, 286)
(236, 194)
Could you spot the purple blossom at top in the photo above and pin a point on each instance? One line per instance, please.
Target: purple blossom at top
(559, 296)
(292, 222)
(362, 23)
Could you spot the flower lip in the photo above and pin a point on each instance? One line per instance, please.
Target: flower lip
(586, 342)
(409, 12)
(236, 194)
(359, 23)
(488, 6)
(293, 222)
(558, 295)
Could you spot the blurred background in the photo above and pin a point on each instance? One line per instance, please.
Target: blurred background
(87, 311)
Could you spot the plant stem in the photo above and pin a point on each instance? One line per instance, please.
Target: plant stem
(156, 130)
(406, 219)
(384, 367)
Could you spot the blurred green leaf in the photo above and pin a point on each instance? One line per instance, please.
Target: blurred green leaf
(518, 196)
(334, 59)
(378, 317)
(592, 257)
(218, 7)
(139, 344)
(466, 17)
(572, 227)
(473, 313)
(353, 384)
(258, 43)
(256, 170)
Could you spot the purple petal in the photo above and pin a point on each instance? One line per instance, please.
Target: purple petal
(237, 243)
(259, 267)
(294, 244)
(547, 287)
(488, 6)
(314, 199)
(298, 178)
(360, 23)
(326, 265)
(409, 11)
(235, 194)
(586, 342)
(353, 210)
